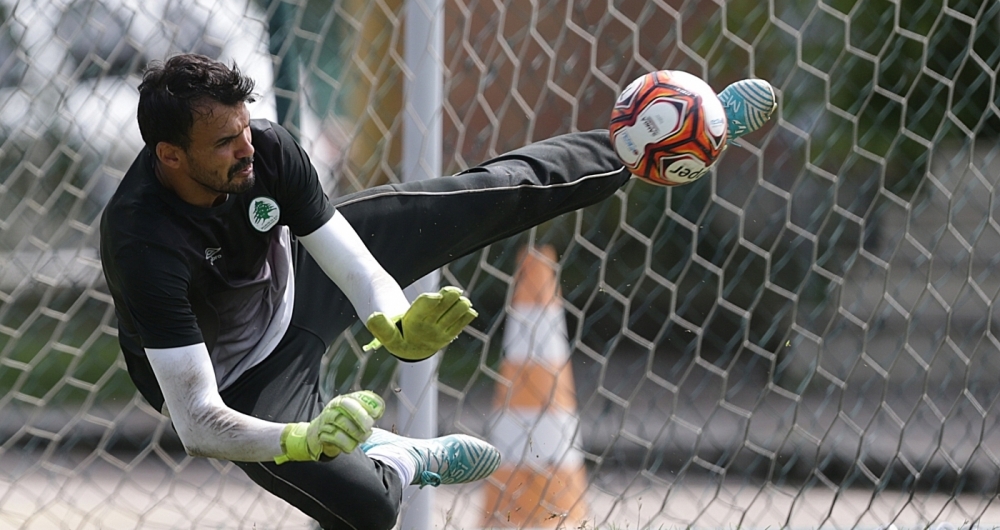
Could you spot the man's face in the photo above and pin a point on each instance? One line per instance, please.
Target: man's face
(220, 156)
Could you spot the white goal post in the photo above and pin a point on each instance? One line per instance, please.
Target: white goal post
(805, 337)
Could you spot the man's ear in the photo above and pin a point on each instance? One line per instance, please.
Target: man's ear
(169, 154)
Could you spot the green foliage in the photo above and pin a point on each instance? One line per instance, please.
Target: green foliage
(57, 350)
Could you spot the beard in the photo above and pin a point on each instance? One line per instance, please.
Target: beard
(229, 184)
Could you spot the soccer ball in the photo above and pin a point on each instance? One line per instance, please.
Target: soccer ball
(668, 127)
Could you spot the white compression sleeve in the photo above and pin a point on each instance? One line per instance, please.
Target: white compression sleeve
(205, 425)
(339, 251)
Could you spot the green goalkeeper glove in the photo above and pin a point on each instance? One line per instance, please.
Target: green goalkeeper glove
(431, 322)
(346, 421)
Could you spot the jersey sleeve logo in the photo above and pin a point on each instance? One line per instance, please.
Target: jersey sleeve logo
(264, 213)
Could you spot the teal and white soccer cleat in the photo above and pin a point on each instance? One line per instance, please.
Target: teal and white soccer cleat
(452, 459)
(748, 104)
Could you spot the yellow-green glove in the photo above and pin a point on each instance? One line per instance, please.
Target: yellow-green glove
(345, 421)
(431, 322)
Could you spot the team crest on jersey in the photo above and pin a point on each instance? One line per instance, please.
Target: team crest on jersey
(264, 213)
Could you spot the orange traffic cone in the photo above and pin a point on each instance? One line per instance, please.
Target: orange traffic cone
(541, 482)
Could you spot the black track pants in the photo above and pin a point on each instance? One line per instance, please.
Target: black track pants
(412, 229)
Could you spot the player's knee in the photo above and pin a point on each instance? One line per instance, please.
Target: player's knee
(375, 513)
(384, 513)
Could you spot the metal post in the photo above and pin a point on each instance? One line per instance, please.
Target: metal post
(423, 46)
(286, 72)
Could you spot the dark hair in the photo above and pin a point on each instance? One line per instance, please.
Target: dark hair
(171, 91)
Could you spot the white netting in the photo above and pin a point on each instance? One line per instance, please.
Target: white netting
(805, 337)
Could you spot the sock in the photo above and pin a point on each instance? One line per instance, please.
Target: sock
(397, 458)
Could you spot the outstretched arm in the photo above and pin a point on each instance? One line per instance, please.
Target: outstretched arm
(205, 425)
(410, 332)
(208, 427)
(342, 255)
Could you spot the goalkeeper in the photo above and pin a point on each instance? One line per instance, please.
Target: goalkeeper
(232, 272)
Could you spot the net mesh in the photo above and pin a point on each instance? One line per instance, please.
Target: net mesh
(803, 338)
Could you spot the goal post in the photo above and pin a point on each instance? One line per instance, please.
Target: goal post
(805, 337)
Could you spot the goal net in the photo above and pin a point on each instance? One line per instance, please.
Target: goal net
(804, 337)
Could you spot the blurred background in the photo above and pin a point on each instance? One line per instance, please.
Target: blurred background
(804, 337)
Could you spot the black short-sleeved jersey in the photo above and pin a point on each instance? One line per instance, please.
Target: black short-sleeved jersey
(181, 274)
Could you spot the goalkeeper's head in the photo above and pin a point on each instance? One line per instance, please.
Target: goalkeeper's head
(172, 91)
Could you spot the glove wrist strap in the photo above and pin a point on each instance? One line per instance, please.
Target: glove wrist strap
(294, 444)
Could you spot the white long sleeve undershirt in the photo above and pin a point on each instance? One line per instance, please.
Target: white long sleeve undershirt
(205, 425)
(209, 428)
(339, 251)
